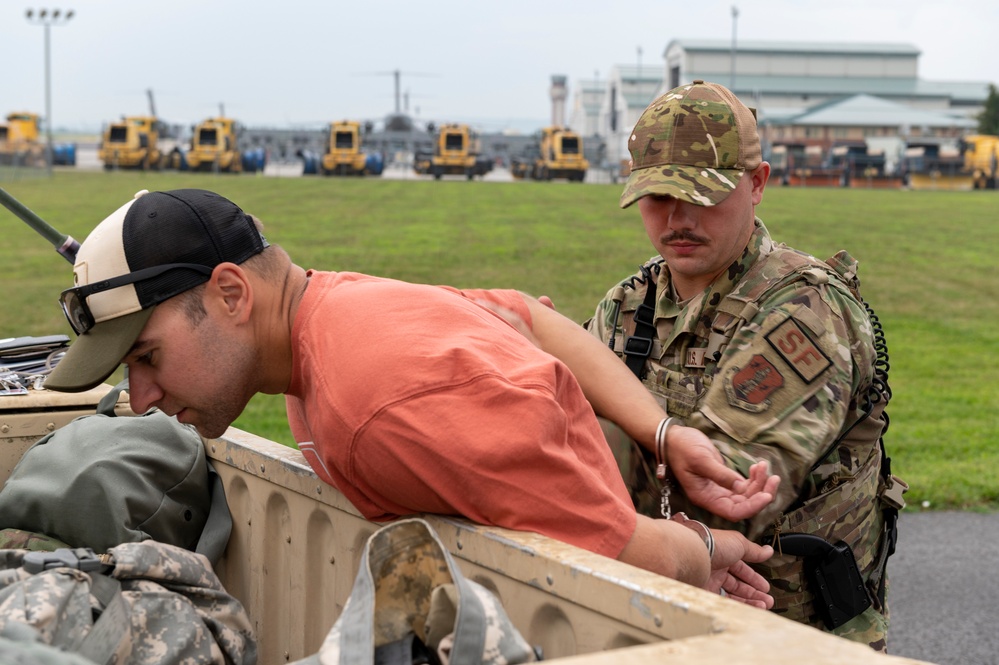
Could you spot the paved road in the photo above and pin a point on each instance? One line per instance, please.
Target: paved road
(944, 590)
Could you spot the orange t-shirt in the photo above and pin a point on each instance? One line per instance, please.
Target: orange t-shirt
(411, 398)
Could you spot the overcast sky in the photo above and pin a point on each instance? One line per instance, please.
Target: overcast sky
(301, 63)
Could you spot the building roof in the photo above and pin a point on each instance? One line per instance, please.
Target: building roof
(789, 47)
(637, 99)
(639, 85)
(870, 111)
(650, 73)
(965, 92)
(591, 85)
(975, 92)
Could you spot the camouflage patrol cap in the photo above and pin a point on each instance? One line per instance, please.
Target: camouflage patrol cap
(695, 143)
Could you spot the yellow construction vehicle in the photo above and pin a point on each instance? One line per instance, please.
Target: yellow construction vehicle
(132, 143)
(981, 159)
(19, 142)
(215, 146)
(456, 152)
(561, 155)
(557, 154)
(343, 150)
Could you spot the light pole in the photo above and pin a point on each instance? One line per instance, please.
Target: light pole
(47, 19)
(735, 19)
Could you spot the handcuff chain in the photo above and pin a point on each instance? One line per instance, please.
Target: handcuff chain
(664, 492)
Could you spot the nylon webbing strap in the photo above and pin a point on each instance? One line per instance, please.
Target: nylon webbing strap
(111, 627)
(638, 347)
(890, 536)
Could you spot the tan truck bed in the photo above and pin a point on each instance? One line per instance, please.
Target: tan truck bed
(296, 544)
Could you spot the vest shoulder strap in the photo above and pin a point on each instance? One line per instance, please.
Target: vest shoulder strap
(780, 267)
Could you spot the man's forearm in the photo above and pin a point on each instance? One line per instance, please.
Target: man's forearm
(610, 387)
(669, 549)
(615, 393)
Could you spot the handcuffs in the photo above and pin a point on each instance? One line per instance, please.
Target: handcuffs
(661, 431)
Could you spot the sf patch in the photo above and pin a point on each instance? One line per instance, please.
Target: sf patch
(798, 350)
(750, 387)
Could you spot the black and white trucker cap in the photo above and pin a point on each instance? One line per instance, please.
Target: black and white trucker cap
(187, 232)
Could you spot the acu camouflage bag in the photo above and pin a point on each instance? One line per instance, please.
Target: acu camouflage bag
(144, 603)
(411, 604)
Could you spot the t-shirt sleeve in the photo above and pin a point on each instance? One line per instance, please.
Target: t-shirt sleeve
(505, 303)
(499, 454)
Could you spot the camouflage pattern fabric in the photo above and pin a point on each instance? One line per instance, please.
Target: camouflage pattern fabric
(786, 381)
(21, 644)
(409, 585)
(694, 143)
(176, 609)
(17, 539)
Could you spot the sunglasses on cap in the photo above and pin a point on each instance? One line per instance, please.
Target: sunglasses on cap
(74, 300)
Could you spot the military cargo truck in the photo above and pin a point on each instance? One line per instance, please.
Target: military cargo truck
(296, 544)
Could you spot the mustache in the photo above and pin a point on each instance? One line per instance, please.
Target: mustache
(683, 235)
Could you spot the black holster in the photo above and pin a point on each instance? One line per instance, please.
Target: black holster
(832, 571)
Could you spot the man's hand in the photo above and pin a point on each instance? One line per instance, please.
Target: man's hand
(710, 484)
(731, 574)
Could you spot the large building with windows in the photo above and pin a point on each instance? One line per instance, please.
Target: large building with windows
(803, 91)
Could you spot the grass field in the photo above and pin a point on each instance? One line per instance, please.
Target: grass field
(927, 268)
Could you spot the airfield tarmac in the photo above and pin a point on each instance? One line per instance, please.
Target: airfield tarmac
(86, 159)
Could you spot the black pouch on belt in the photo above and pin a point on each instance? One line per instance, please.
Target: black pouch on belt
(833, 574)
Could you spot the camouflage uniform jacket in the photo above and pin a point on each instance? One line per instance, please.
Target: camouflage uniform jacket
(166, 607)
(773, 361)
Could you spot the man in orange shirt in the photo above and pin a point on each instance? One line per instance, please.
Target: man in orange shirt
(408, 398)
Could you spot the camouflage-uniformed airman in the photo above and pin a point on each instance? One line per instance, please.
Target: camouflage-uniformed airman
(767, 350)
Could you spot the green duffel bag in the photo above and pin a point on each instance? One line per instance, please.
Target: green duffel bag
(109, 531)
(102, 480)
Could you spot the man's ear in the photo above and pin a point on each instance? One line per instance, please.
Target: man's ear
(760, 175)
(231, 285)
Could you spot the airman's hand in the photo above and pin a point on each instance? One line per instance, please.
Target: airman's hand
(708, 483)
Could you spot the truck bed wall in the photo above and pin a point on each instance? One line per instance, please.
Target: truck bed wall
(296, 545)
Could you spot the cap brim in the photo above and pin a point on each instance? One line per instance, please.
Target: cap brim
(699, 185)
(96, 354)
